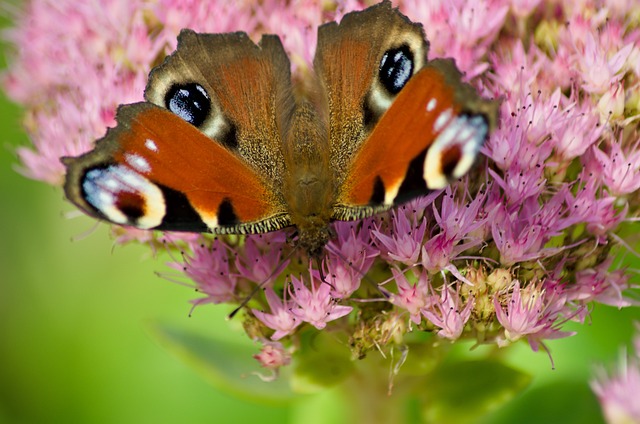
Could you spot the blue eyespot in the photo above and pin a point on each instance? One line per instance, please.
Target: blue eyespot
(190, 102)
(396, 67)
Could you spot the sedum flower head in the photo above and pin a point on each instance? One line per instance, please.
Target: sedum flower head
(511, 252)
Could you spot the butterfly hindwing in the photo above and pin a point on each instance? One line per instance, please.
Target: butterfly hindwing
(362, 63)
(248, 88)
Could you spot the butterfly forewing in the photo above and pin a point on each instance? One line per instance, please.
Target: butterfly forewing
(155, 170)
(431, 134)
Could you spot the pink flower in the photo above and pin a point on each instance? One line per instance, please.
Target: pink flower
(618, 391)
(521, 143)
(280, 319)
(620, 168)
(611, 104)
(406, 238)
(577, 132)
(353, 244)
(457, 220)
(517, 239)
(273, 355)
(315, 305)
(604, 286)
(447, 314)
(531, 312)
(261, 263)
(208, 267)
(523, 8)
(344, 279)
(437, 252)
(516, 67)
(462, 29)
(413, 297)
(597, 67)
(350, 255)
(519, 185)
(523, 312)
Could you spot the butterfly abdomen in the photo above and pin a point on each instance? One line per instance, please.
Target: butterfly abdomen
(309, 185)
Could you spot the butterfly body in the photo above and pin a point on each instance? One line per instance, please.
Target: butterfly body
(309, 184)
(225, 143)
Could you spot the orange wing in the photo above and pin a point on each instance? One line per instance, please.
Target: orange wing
(155, 170)
(431, 134)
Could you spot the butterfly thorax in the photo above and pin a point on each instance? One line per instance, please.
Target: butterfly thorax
(309, 186)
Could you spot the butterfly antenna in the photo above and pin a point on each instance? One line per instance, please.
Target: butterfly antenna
(323, 278)
(257, 288)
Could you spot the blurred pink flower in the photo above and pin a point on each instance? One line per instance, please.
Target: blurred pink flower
(618, 391)
(208, 267)
(273, 355)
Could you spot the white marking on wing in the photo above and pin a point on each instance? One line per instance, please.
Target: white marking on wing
(151, 145)
(137, 162)
(103, 186)
(432, 105)
(442, 120)
(468, 133)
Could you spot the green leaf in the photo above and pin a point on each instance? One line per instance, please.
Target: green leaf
(463, 392)
(228, 365)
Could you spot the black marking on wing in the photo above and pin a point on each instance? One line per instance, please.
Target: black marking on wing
(377, 197)
(450, 159)
(190, 101)
(413, 184)
(226, 214)
(396, 67)
(132, 205)
(180, 215)
(369, 117)
(230, 137)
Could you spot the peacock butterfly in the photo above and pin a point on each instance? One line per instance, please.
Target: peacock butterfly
(225, 142)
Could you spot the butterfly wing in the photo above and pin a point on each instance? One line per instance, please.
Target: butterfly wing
(348, 64)
(204, 151)
(429, 136)
(155, 170)
(399, 126)
(248, 87)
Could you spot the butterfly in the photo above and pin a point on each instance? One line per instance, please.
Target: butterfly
(226, 143)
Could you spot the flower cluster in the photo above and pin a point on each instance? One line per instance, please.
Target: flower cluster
(510, 252)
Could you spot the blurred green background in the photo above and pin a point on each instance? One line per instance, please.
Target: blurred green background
(75, 345)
